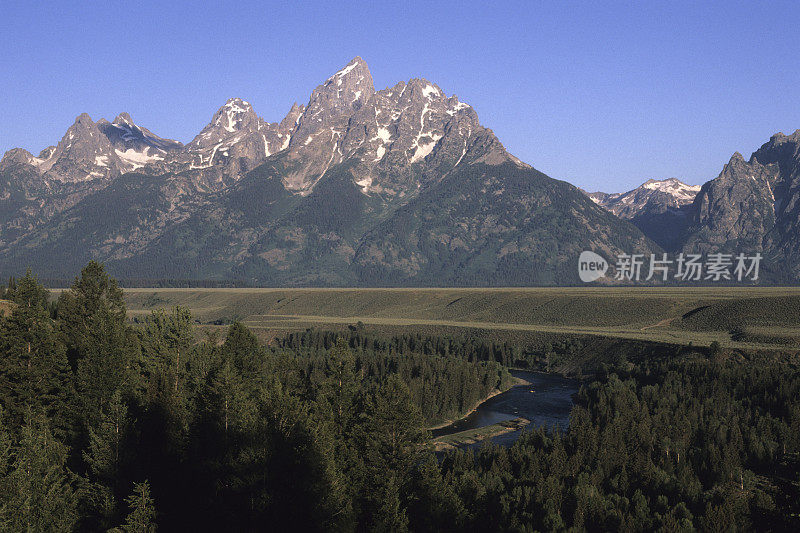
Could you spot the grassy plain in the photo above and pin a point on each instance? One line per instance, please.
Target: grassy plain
(747, 317)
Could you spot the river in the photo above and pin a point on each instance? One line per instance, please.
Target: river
(547, 401)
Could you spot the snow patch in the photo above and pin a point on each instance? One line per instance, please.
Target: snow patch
(136, 159)
(424, 150)
(346, 69)
(266, 146)
(674, 187)
(429, 90)
(384, 134)
(365, 184)
(458, 107)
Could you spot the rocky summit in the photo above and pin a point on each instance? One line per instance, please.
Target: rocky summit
(754, 206)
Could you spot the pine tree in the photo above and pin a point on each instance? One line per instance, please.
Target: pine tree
(99, 343)
(389, 442)
(142, 515)
(390, 516)
(39, 493)
(166, 342)
(392, 432)
(104, 458)
(34, 371)
(242, 348)
(338, 391)
(106, 441)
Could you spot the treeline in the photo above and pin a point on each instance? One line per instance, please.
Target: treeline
(149, 283)
(540, 358)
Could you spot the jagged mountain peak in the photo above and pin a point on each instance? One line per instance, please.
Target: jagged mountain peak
(83, 119)
(235, 117)
(292, 117)
(124, 118)
(780, 137)
(425, 88)
(16, 156)
(736, 157)
(83, 154)
(356, 72)
(338, 97)
(134, 145)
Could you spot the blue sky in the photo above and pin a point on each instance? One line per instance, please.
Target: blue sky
(602, 94)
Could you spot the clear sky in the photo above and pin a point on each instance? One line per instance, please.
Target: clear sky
(602, 94)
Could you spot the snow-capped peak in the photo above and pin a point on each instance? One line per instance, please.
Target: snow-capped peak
(673, 187)
(230, 117)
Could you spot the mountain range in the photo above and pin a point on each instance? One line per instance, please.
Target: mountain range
(360, 187)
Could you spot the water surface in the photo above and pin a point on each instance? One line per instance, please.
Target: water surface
(546, 401)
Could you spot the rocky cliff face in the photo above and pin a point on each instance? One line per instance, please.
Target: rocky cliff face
(736, 209)
(752, 206)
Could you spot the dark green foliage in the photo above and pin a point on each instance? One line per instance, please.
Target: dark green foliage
(100, 344)
(677, 445)
(37, 491)
(142, 516)
(34, 372)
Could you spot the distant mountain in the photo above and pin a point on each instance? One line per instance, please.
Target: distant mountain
(660, 208)
(401, 186)
(754, 206)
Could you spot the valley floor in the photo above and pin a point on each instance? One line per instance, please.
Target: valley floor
(749, 318)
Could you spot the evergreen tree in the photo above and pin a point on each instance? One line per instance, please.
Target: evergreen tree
(99, 343)
(244, 351)
(104, 459)
(166, 341)
(34, 371)
(337, 393)
(142, 515)
(39, 491)
(390, 516)
(392, 431)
